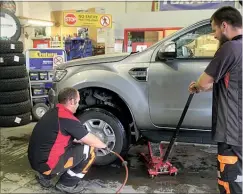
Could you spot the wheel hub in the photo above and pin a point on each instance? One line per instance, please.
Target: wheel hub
(103, 131)
(40, 111)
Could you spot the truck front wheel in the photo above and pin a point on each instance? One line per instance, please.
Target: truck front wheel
(108, 128)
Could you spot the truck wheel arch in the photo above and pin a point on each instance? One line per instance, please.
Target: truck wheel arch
(114, 105)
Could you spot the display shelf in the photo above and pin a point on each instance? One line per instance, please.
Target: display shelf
(40, 67)
(40, 70)
(40, 81)
(40, 96)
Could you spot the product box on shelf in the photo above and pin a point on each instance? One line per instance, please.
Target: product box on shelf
(43, 75)
(38, 90)
(39, 100)
(34, 76)
(50, 75)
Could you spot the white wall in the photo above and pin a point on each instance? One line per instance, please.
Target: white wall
(110, 7)
(136, 6)
(38, 10)
(125, 14)
(41, 10)
(158, 19)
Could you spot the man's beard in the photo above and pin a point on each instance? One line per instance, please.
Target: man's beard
(223, 40)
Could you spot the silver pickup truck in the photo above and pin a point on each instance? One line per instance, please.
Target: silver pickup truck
(131, 95)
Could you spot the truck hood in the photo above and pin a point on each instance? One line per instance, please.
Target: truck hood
(94, 60)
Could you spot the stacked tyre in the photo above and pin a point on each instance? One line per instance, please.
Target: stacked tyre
(15, 105)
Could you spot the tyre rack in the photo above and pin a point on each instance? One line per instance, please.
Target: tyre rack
(15, 105)
(35, 65)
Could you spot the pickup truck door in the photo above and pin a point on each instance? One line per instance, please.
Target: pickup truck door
(169, 81)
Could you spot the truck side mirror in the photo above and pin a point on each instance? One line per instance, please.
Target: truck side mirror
(167, 51)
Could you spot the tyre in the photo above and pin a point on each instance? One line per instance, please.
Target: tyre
(10, 46)
(11, 28)
(15, 109)
(8, 85)
(15, 121)
(9, 5)
(11, 72)
(108, 128)
(14, 97)
(12, 59)
(38, 110)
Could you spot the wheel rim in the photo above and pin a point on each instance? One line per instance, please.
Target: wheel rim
(103, 131)
(40, 111)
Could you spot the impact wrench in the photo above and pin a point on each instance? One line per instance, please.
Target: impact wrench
(124, 163)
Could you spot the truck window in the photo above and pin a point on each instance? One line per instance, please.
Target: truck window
(198, 43)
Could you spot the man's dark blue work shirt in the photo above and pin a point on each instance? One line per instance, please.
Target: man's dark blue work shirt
(226, 69)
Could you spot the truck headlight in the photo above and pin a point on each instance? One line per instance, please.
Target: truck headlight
(59, 75)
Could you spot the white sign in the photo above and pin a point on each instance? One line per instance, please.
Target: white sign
(140, 48)
(8, 26)
(57, 60)
(101, 35)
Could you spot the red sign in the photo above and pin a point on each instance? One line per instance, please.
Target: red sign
(70, 19)
(105, 21)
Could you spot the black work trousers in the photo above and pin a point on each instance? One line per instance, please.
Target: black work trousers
(73, 164)
(229, 169)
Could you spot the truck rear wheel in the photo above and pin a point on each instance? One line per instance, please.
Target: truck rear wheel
(108, 128)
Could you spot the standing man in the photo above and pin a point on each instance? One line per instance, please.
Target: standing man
(61, 144)
(224, 76)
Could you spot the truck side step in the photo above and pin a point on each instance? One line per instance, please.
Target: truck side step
(185, 136)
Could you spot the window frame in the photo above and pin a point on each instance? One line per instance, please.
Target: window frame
(181, 33)
(191, 31)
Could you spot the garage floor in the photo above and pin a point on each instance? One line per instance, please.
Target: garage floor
(197, 167)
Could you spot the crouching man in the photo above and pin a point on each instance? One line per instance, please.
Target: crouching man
(60, 144)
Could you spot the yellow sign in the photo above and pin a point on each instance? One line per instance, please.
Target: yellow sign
(77, 19)
(38, 54)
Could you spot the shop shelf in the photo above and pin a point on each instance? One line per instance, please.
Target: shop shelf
(40, 81)
(38, 70)
(41, 96)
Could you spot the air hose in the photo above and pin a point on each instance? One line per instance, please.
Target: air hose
(124, 163)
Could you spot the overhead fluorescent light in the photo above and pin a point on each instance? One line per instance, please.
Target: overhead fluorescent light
(25, 21)
(39, 23)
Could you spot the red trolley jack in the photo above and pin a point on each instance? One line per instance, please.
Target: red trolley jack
(160, 165)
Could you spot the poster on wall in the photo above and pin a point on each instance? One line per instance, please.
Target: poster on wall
(43, 59)
(169, 5)
(77, 19)
(140, 48)
(118, 46)
(101, 35)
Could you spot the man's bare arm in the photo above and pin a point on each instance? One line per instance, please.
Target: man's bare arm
(209, 89)
(204, 83)
(92, 140)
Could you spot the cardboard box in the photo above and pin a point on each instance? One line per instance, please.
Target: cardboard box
(204, 53)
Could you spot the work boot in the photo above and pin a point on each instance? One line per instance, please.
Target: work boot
(78, 188)
(45, 182)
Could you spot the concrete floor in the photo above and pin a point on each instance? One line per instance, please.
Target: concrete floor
(197, 170)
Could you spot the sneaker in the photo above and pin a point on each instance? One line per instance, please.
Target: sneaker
(79, 188)
(47, 183)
